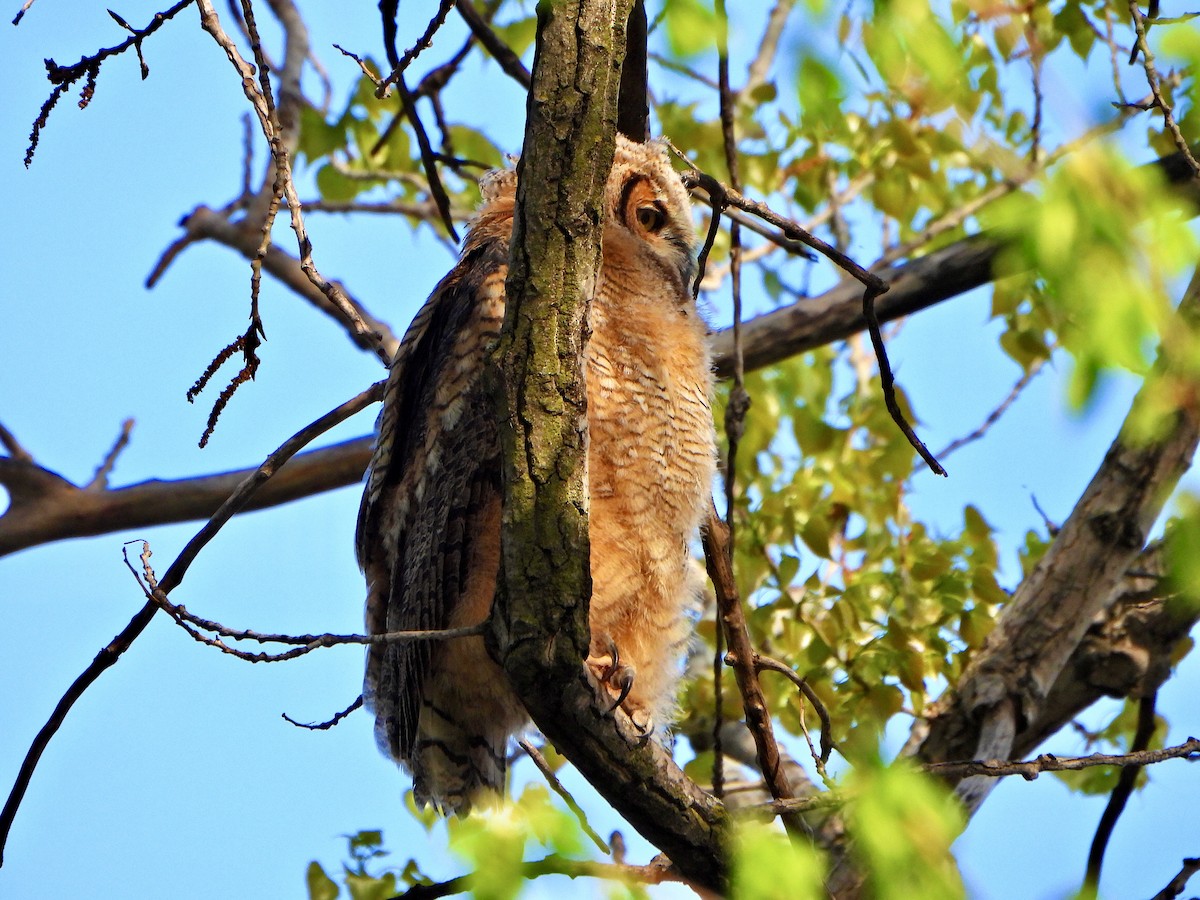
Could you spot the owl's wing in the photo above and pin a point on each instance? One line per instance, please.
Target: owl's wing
(433, 478)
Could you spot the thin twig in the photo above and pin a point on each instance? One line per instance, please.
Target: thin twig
(501, 52)
(302, 644)
(733, 621)
(329, 723)
(1048, 762)
(1120, 796)
(1179, 882)
(873, 285)
(768, 46)
(888, 381)
(100, 479)
(557, 786)
(62, 77)
(21, 12)
(429, 159)
(1153, 79)
(738, 403)
(263, 108)
(10, 443)
(767, 663)
(994, 416)
(109, 654)
(399, 65)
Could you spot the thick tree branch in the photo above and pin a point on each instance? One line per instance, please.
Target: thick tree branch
(541, 619)
(1006, 685)
(173, 577)
(918, 284)
(45, 507)
(205, 223)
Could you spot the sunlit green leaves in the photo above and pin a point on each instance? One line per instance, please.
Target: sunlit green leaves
(320, 886)
(903, 824)
(691, 26)
(917, 55)
(363, 848)
(768, 866)
(492, 842)
(1183, 552)
(1106, 241)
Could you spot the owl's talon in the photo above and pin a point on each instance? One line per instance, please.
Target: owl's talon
(621, 677)
(612, 674)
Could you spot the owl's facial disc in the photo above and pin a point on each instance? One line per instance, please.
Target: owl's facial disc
(645, 209)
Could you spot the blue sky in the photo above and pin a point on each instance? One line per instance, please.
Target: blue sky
(175, 773)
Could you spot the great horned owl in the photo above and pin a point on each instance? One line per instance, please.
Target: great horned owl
(429, 526)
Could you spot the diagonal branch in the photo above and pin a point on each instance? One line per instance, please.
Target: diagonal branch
(1006, 685)
(173, 577)
(45, 507)
(205, 223)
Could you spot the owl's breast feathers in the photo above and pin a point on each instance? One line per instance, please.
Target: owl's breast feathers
(429, 524)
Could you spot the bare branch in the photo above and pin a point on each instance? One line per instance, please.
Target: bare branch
(302, 644)
(204, 222)
(768, 45)
(263, 105)
(994, 416)
(21, 12)
(100, 479)
(44, 507)
(329, 723)
(172, 579)
(741, 654)
(1153, 79)
(62, 77)
(1047, 762)
(399, 65)
(1179, 882)
(501, 52)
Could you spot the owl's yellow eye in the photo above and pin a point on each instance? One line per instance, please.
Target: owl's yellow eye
(651, 218)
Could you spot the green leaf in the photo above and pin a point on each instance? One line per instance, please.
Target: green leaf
(1072, 22)
(904, 823)
(816, 535)
(367, 887)
(691, 27)
(334, 185)
(318, 138)
(320, 885)
(767, 866)
(518, 34)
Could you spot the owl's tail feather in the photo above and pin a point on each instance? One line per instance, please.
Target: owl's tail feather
(457, 766)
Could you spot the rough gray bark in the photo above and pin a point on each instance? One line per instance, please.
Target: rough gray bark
(1007, 684)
